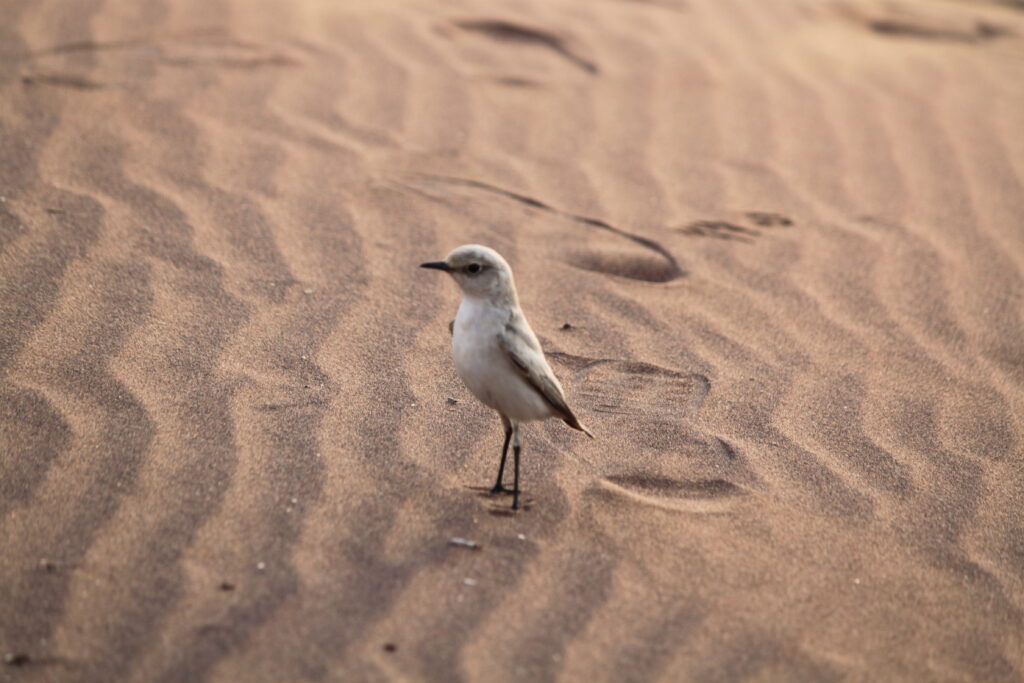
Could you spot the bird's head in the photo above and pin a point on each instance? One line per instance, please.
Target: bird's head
(480, 271)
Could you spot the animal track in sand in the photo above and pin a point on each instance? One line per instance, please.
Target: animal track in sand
(932, 22)
(634, 267)
(768, 219)
(725, 230)
(506, 31)
(516, 82)
(62, 80)
(188, 50)
(722, 230)
(909, 28)
(653, 264)
(671, 463)
(698, 495)
(664, 4)
(639, 390)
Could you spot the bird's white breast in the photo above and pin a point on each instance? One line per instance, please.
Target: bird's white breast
(484, 367)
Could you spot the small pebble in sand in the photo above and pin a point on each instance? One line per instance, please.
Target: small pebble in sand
(521, 537)
(16, 659)
(451, 401)
(566, 326)
(226, 586)
(260, 566)
(390, 647)
(469, 582)
(307, 291)
(464, 543)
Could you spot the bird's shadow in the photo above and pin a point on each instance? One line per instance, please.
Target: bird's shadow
(501, 510)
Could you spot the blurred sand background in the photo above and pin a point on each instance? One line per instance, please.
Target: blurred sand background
(788, 241)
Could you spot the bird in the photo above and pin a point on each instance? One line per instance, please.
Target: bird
(496, 353)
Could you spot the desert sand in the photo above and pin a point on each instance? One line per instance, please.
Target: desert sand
(775, 251)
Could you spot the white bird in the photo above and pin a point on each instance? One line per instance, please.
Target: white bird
(496, 353)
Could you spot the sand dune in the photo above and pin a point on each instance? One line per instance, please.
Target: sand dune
(775, 251)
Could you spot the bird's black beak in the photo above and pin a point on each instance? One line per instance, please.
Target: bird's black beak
(437, 265)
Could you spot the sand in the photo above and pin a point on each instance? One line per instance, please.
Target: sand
(775, 251)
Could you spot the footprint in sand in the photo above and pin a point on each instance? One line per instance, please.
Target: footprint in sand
(637, 266)
(626, 254)
(62, 80)
(509, 32)
(698, 495)
(670, 462)
(726, 230)
(936, 22)
(929, 30)
(766, 219)
(722, 230)
(189, 50)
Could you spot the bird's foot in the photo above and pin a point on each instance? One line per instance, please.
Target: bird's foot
(498, 488)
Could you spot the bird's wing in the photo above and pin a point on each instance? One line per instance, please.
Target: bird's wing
(534, 369)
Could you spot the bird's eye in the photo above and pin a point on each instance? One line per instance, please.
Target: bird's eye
(473, 268)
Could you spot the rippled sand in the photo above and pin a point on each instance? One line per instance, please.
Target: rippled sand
(775, 251)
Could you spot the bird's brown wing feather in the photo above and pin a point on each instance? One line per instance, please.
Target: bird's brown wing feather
(516, 350)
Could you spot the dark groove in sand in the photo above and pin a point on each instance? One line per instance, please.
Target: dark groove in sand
(507, 31)
(674, 269)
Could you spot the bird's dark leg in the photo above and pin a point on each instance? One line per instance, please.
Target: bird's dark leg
(515, 458)
(498, 487)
